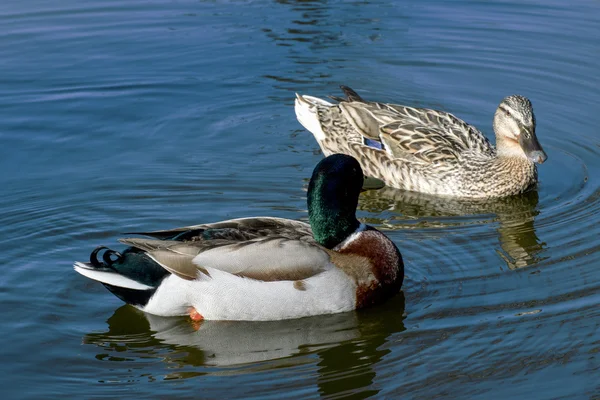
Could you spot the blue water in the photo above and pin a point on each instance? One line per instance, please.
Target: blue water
(129, 115)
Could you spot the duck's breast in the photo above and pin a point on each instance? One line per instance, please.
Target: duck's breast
(374, 262)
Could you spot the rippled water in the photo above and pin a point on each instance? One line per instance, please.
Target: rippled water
(128, 115)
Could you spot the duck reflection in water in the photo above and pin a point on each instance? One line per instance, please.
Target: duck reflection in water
(514, 215)
(352, 341)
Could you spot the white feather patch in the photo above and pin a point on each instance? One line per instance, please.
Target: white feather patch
(306, 113)
(230, 297)
(351, 238)
(110, 278)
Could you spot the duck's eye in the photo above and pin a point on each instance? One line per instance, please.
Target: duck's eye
(507, 113)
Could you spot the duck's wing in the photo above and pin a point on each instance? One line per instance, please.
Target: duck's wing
(427, 135)
(433, 136)
(265, 257)
(237, 229)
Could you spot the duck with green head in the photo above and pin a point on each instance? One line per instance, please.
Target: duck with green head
(261, 268)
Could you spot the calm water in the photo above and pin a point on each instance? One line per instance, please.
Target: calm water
(136, 115)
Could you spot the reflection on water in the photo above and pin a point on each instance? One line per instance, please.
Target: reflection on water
(317, 26)
(514, 217)
(310, 30)
(342, 342)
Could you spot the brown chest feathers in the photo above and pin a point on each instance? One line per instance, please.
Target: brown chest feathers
(375, 264)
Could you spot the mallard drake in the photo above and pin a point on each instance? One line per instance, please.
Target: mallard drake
(261, 268)
(429, 151)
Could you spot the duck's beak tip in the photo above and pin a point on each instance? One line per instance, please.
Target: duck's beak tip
(538, 156)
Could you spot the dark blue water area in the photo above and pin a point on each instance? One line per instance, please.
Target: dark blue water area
(120, 116)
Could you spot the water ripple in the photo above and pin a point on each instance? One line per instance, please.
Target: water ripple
(125, 116)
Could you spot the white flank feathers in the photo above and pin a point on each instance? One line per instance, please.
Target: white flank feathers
(224, 296)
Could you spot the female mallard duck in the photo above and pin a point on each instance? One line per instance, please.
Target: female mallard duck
(429, 151)
(261, 268)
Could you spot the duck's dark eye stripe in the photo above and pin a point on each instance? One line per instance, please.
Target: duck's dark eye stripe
(503, 108)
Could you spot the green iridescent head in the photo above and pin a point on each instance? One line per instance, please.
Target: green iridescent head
(332, 198)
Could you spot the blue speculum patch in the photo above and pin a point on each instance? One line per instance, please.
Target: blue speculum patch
(374, 143)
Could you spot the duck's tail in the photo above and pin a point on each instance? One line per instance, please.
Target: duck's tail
(307, 113)
(132, 276)
(318, 116)
(328, 124)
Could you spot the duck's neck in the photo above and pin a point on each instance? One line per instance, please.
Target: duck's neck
(511, 171)
(510, 149)
(332, 217)
(514, 166)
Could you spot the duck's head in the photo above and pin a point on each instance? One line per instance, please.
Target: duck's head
(332, 198)
(514, 124)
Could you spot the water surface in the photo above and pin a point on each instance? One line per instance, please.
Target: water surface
(120, 116)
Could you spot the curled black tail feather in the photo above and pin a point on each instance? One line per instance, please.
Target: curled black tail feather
(107, 261)
(134, 264)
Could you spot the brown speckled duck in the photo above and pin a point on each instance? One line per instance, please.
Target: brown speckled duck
(426, 150)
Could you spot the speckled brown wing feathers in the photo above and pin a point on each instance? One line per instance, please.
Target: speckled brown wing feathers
(429, 135)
